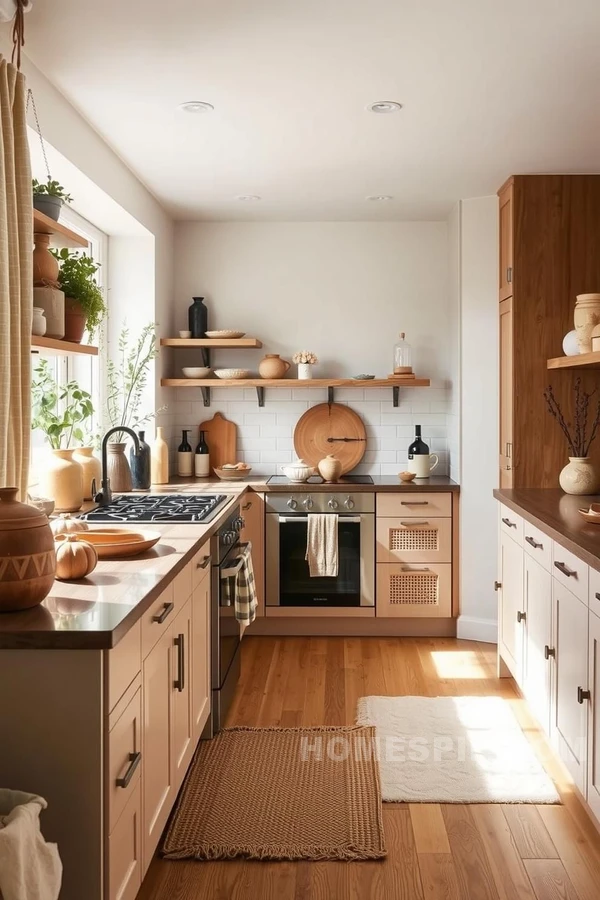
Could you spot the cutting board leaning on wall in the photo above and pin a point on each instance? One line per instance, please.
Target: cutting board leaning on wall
(221, 437)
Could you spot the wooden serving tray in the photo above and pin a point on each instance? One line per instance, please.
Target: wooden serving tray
(118, 543)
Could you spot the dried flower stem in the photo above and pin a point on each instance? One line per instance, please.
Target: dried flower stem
(576, 432)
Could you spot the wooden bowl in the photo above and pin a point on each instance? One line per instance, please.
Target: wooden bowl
(232, 474)
(406, 476)
(590, 515)
(118, 543)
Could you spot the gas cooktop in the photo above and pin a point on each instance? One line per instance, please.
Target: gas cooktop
(316, 479)
(159, 508)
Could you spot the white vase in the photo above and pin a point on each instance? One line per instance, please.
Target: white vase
(579, 476)
(304, 371)
(38, 322)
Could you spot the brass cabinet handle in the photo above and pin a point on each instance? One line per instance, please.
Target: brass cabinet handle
(497, 585)
(521, 617)
(134, 761)
(167, 610)
(204, 563)
(583, 695)
(247, 505)
(549, 652)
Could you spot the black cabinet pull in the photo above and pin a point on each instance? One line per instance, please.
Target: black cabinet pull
(179, 642)
(168, 609)
(521, 617)
(583, 695)
(509, 524)
(134, 761)
(247, 505)
(414, 503)
(565, 569)
(497, 585)
(533, 543)
(204, 563)
(597, 596)
(549, 652)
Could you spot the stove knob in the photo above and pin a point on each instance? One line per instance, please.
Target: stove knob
(308, 503)
(333, 504)
(239, 523)
(349, 503)
(292, 503)
(229, 537)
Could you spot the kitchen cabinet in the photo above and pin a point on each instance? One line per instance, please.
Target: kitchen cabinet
(593, 773)
(511, 618)
(201, 688)
(538, 650)
(506, 449)
(125, 851)
(505, 267)
(182, 718)
(414, 591)
(253, 513)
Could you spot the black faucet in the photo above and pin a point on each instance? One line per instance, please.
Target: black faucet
(104, 496)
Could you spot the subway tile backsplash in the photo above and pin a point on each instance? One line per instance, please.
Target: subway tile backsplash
(265, 436)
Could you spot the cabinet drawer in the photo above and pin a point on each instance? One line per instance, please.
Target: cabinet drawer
(538, 545)
(414, 540)
(414, 505)
(594, 591)
(125, 851)
(124, 757)
(414, 591)
(182, 585)
(158, 618)
(201, 564)
(511, 524)
(571, 571)
(123, 662)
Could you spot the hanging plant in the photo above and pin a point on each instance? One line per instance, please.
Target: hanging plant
(49, 195)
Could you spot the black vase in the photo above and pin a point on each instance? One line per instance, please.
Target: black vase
(140, 465)
(198, 318)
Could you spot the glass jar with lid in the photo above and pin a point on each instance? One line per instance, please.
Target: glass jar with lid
(402, 357)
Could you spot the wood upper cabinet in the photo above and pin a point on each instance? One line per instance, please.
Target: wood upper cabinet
(506, 448)
(182, 727)
(505, 268)
(253, 512)
(201, 688)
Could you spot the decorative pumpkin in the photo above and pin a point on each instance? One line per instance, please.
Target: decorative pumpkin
(75, 558)
(66, 525)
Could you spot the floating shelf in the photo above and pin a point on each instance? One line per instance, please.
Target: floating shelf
(48, 343)
(582, 361)
(215, 343)
(261, 383)
(66, 238)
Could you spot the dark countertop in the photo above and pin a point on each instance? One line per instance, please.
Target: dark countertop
(557, 514)
(260, 484)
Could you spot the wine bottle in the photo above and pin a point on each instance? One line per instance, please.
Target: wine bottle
(202, 458)
(185, 456)
(418, 446)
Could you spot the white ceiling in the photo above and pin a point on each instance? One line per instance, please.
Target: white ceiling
(489, 88)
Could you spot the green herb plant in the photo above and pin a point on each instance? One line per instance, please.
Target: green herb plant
(127, 377)
(59, 411)
(51, 189)
(76, 279)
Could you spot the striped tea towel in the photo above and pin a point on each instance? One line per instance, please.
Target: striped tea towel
(240, 590)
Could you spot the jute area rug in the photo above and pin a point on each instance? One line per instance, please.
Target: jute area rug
(454, 750)
(280, 793)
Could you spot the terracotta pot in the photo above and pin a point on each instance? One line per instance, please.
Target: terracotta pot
(579, 476)
(273, 366)
(586, 317)
(92, 470)
(45, 266)
(118, 471)
(75, 320)
(62, 481)
(27, 558)
(52, 301)
(330, 468)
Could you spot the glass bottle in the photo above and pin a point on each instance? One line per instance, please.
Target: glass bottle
(198, 318)
(185, 456)
(418, 446)
(202, 458)
(402, 357)
(140, 465)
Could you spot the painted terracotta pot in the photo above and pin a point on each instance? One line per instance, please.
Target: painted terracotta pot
(27, 557)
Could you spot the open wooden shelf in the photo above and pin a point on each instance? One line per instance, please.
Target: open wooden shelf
(215, 343)
(582, 361)
(66, 238)
(48, 343)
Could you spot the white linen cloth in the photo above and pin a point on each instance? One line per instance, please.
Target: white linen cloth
(322, 545)
(30, 869)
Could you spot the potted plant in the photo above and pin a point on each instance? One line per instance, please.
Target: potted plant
(579, 475)
(60, 412)
(305, 360)
(126, 378)
(84, 303)
(48, 197)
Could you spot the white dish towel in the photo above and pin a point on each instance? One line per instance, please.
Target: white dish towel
(30, 869)
(322, 545)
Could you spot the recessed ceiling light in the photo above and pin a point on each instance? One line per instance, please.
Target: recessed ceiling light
(384, 106)
(196, 106)
(248, 197)
(380, 198)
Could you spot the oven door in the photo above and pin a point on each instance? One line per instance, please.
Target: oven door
(229, 627)
(288, 578)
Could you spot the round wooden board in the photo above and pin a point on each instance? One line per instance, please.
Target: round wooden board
(330, 420)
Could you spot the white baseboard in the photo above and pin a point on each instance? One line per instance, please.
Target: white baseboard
(469, 628)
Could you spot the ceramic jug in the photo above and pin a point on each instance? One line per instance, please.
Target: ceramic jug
(423, 464)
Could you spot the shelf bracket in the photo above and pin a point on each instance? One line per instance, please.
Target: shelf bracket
(396, 394)
(330, 394)
(205, 395)
(205, 360)
(260, 394)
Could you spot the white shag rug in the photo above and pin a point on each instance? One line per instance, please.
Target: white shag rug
(453, 750)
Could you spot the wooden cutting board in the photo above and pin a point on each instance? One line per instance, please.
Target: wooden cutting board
(221, 437)
(321, 431)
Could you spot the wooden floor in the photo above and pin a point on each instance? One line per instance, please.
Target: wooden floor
(435, 852)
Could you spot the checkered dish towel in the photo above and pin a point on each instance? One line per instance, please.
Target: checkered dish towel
(240, 591)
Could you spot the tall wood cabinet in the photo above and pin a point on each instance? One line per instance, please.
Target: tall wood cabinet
(549, 239)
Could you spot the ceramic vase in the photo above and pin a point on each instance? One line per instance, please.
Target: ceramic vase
(159, 459)
(62, 481)
(330, 468)
(52, 301)
(273, 366)
(579, 476)
(92, 471)
(304, 371)
(117, 469)
(38, 322)
(198, 318)
(45, 266)
(27, 557)
(586, 317)
(75, 320)
(140, 465)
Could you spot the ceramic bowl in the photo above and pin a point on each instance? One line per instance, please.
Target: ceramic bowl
(185, 334)
(363, 377)
(592, 514)
(197, 372)
(233, 474)
(406, 476)
(225, 334)
(232, 373)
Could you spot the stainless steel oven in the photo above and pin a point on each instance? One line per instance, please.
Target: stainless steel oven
(288, 581)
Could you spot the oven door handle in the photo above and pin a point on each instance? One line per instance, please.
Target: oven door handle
(231, 571)
(286, 519)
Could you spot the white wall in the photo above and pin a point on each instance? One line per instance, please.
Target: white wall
(479, 416)
(454, 336)
(341, 289)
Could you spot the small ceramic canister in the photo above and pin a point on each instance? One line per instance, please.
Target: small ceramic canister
(330, 468)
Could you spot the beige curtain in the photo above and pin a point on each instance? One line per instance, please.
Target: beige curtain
(16, 280)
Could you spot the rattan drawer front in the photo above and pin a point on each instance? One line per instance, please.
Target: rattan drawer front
(414, 504)
(414, 540)
(414, 591)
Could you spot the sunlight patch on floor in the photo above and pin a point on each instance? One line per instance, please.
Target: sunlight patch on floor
(458, 664)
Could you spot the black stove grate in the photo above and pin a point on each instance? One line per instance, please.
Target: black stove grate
(158, 508)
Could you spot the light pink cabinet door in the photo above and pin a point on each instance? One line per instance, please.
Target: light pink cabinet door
(201, 692)
(182, 728)
(125, 851)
